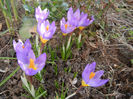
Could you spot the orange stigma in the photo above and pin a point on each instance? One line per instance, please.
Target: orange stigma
(92, 74)
(66, 26)
(32, 64)
(23, 46)
(47, 28)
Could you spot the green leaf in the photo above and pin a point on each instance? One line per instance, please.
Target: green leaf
(41, 95)
(7, 58)
(131, 33)
(29, 25)
(131, 61)
(7, 78)
(27, 8)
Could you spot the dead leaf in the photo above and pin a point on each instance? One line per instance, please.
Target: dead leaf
(93, 44)
(0, 26)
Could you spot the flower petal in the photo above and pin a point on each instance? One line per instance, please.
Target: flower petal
(31, 55)
(88, 69)
(97, 82)
(27, 44)
(77, 14)
(40, 61)
(98, 74)
(70, 14)
(46, 30)
(30, 72)
(92, 19)
(41, 14)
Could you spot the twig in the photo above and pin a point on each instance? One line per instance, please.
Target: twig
(74, 93)
(70, 95)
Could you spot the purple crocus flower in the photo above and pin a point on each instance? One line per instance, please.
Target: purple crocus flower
(27, 61)
(66, 27)
(77, 19)
(91, 78)
(46, 30)
(41, 14)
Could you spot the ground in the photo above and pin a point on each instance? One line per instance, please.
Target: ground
(111, 52)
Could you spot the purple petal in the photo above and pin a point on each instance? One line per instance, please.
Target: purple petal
(30, 72)
(22, 65)
(88, 69)
(98, 74)
(77, 14)
(41, 28)
(83, 20)
(46, 23)
(41, 14)
(27, 44)
(97, 82)
(31, 55)
(17, 45)
(23, 61)
(69, 28)
(92, 19)
(40, 61)
(70, 14)
(53, 28)
(14, 44)
(53, 24)
(63, 21)
(22, 57)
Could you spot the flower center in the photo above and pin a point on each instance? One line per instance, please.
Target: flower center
(43, 40)
(81, 28)
(32, 64)
(92, 74)
(23, 46)
(64, 34)
(66, 26)
(47, 28)
(84, 84)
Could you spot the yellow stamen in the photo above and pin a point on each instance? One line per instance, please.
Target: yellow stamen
(66, 26)
(23, 46)
(81, 28)
(84, 84)
(32, 64)
(64, 34)
(43, 40)
(92, 74)
(47, 28)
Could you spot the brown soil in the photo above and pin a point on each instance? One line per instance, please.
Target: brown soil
(112, 56)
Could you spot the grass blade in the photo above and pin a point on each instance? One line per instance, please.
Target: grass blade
(40, 95)
(7, 58)
(7, 78)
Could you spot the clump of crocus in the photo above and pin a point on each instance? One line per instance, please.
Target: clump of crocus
(26, 58)
(78, 20)
(91, 78)
(66, 27)
(41, 14)
(46, 30)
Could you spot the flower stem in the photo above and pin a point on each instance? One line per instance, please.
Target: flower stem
(74, 93)
(42, 46)
(30, 79)
(79, 88)
(70, 95)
